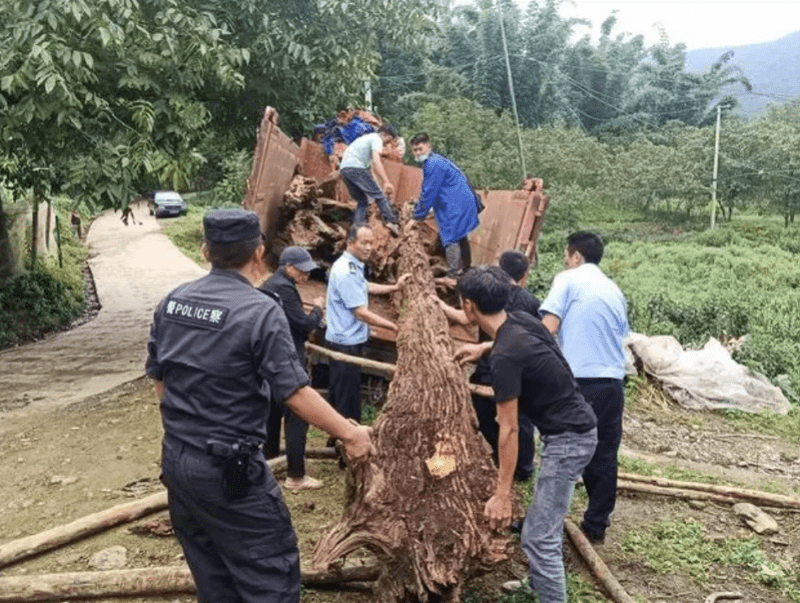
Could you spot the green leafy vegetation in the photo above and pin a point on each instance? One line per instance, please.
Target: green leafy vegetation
(45, 299)
(682, 546)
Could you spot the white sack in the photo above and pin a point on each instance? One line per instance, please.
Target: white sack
(707, 378)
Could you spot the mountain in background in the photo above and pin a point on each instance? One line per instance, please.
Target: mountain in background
(773, 69)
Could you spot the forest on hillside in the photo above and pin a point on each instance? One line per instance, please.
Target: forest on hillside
(104, 100)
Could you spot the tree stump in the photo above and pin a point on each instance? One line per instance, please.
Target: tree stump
(418, 504)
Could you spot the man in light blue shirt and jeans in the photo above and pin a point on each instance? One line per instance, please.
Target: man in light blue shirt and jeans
(589, 314)
(349, 317)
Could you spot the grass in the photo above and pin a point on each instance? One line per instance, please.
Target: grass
(186, 233)
(682, 546)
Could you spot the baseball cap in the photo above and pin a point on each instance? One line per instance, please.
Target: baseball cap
(224, 226)
(299, 258)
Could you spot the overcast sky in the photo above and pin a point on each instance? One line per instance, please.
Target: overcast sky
(696, 23)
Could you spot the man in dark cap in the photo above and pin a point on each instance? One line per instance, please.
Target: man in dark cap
(295, 267)
(219, 350)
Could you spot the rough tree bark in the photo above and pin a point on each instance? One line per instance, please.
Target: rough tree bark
(418, 504)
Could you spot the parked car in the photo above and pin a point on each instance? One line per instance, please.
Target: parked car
(167, 203)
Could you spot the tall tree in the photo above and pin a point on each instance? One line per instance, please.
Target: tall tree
(99, 95)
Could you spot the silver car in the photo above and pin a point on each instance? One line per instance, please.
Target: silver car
(168, 203)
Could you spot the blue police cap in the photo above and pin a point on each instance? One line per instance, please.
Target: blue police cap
(224, 226)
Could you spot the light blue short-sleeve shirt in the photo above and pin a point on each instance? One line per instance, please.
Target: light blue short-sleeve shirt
(359, 153)
(594, 321)
(347, 290)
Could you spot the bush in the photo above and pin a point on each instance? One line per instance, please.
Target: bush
(717, 284)
(48, 298)
(34, 304)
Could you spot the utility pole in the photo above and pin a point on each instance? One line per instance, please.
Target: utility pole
(714, 179)
(511, 88)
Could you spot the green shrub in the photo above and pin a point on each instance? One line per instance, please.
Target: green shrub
(33, 304)
(718, 284)
(47, 298)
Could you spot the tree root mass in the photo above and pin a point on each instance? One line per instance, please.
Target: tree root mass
(418, 504)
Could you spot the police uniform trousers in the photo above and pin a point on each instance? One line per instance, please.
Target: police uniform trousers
(606, 397)
(239, 551)
(344, 391)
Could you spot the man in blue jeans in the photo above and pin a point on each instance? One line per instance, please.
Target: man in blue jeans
(589, 314)
(357, 159)
(530, 377)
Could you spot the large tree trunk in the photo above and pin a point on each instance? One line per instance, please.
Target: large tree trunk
(418, 504)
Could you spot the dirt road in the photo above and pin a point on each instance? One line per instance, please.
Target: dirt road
(134, 266)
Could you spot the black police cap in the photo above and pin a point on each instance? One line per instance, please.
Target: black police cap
(224, 226)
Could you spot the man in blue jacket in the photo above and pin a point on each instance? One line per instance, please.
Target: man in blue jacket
(445, 190)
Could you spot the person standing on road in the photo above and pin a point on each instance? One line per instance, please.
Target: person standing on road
(218, 351)
(589, 314)
(517, 266)
(349, 317)
(357, 159)
(295, 264)
(530, 377)
(445, 189)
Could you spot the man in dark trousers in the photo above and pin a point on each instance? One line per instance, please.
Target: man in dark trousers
(530, 377)
(218, 351)
(588, 313)
(295, 267)
(517, 266)
(446, 191)
(349, 318)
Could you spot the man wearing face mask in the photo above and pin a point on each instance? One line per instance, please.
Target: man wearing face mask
(446, 190)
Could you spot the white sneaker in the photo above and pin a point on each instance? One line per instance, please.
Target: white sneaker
(394, 228)
(516, 586)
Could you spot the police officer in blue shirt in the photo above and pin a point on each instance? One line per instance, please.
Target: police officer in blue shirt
(349, 317)
(218, 351)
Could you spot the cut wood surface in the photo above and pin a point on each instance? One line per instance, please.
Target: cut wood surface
(738, 493)
(22, 548)
(383, 367)
(596, 564)
(139, 583)
(418, 504)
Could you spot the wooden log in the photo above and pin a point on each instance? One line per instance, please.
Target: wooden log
(140, 583)
(34, 544)
(384, 368)
(596, 564)
(778, 500)
(16, 550)
(675, 492)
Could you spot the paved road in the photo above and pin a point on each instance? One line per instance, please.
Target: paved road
(134, 267)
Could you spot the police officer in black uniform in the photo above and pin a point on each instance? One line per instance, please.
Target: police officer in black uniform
(219, 350)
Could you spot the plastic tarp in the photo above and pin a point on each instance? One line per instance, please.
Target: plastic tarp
(705, 379)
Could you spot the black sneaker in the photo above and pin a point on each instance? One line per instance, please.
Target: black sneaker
(593, 536)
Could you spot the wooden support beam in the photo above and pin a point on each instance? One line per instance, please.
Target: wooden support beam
(384, 368)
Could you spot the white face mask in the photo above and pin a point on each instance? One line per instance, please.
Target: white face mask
(421, 158)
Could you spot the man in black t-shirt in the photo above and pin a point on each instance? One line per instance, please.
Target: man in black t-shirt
(530, 377)
(517, 266)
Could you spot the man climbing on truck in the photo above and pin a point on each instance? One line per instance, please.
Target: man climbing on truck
(357, 159)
